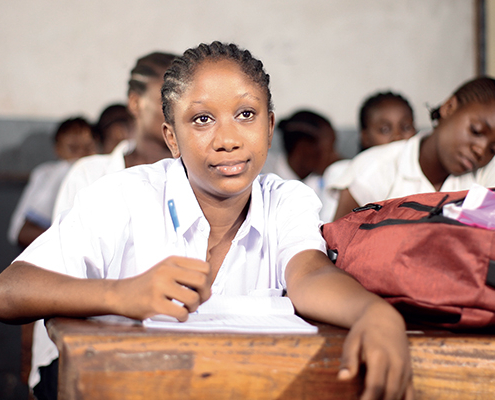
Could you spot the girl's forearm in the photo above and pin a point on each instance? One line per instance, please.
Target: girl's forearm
(29, 293)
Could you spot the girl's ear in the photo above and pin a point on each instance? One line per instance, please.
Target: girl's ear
(171, 139)
(271, 127)
(449, 107)
(133, 104)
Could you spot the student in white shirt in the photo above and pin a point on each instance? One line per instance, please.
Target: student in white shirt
(456, 154)
(146, 146)
(242, 233)
(384, 117)
(33, 214)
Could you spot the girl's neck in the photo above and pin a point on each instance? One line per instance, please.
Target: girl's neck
(225, 219)
(147, 151)
(429, 161)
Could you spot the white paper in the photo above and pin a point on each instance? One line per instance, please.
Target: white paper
(238, 314)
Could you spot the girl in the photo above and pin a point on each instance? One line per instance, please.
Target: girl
(384, 118)
(456, 154)
(117, 252)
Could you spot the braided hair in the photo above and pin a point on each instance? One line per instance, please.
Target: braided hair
(150, 66)
(374, 101)
(180, 74)
(479, 90)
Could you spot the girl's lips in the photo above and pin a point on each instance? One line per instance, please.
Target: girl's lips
(468, 164)
(231, 168)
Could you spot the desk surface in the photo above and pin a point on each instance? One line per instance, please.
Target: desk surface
(104, 361)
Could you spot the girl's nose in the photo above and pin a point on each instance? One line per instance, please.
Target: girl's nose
(480, 147)
(227, 137)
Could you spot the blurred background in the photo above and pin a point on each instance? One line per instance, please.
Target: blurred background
(64, 58)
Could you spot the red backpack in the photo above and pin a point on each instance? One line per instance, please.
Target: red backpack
(433, 269)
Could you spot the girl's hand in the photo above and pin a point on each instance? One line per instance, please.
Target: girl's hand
(378, 340)
(186, 280)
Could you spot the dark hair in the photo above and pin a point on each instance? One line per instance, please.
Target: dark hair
(478, 90)
(374, 101)
(292, 131)
(112, 114)
(149, 66)
(180, 74)
(76, 124)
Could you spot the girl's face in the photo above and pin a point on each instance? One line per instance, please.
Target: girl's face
(222, 130)
(388, 121)
(76, 144)
(465, 136)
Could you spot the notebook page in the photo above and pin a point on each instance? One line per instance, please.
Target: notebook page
(238, 314)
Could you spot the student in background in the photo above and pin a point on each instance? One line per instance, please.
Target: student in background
(32, 216)
(384, 117)
(308, 140)
(243, 233)
(114, 125)
(455, 154)
(147, 145)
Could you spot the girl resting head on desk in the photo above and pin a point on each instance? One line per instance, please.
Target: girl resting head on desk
(121, 250)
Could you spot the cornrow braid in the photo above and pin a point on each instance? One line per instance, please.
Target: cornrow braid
(374, 101)
(150, 66)
(180, 74)
(478, 90)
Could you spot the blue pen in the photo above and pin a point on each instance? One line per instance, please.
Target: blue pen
(175, 220)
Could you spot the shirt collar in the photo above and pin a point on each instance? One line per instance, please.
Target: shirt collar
(189, 212)
(179, 190)
(254, 217)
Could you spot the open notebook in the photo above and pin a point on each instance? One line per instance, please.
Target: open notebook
(248, 314)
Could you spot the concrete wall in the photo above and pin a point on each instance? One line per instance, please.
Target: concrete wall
(61, 58)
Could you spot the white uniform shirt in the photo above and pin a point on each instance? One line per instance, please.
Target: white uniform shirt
(121, 226)
(87, 170)
(329, 195)
(392, 170)
(38, 198)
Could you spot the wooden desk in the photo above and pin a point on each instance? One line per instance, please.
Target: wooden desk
(102, 361)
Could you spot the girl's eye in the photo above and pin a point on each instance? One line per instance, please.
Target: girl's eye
(247, 114)
(385, 130)
(475, 131)
(202, 119)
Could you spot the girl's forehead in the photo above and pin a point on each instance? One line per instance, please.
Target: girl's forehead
(220, 76)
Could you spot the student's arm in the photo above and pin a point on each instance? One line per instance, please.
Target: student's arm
(322, 292)
(28, 233)
(28, 292)
(346, 204)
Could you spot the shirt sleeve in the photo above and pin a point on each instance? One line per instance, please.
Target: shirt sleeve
(297, 223)
(86, 241)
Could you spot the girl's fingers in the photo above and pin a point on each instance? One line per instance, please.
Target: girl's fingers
(349, 365)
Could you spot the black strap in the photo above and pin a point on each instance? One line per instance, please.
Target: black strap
(490, 275)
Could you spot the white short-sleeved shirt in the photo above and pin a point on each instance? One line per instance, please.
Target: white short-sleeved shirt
(87, 170)
(392, 170)
(38, 198)
(121, 226)
(329, 195)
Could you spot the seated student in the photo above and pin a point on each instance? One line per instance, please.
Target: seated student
(308, 140)
(455, 154)
(32, 216)
(147, 145)
(114, 125)
(384, 117)
(244, 233)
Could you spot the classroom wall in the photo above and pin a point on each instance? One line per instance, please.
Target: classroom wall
(60, 58)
